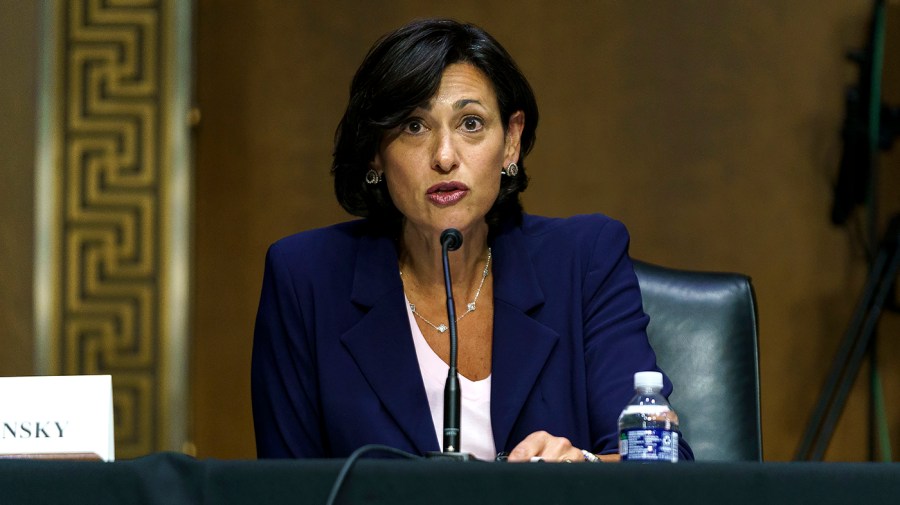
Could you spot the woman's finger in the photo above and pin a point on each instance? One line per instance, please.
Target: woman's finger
(543, 446)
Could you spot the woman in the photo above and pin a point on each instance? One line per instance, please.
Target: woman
(351, 346)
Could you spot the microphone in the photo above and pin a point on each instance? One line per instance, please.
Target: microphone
(451, 240)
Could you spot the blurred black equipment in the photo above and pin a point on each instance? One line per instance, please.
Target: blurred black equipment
(869, 127)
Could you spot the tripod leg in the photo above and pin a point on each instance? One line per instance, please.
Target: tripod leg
(838, 369)
(856, 340)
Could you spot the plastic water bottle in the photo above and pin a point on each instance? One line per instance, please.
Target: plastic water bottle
(648, 427)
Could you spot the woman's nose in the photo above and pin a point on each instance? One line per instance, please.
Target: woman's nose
(446, 158)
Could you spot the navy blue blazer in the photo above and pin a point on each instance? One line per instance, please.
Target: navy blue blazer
(334, 364)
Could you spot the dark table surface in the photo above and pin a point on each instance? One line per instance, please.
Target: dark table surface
(174, 479)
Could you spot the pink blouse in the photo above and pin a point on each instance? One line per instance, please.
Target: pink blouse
(476, 436)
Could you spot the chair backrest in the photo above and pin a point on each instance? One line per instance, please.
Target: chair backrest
(703, 328)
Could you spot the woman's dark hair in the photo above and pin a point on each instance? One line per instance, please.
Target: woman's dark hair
(402, 71)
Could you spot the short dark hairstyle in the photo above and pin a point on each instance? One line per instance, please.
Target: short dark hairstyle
(403, 71)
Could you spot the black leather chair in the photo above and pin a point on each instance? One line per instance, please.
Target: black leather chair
(703, 328)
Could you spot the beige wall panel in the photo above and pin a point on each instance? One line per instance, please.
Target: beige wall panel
(106, 256)
(18, 61)
(709, 128)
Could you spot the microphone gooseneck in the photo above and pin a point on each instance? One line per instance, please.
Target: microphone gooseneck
(451, 240)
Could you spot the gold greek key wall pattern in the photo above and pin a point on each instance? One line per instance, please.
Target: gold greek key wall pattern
(112, 71)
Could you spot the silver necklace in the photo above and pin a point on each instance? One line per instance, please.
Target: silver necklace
(470, 307)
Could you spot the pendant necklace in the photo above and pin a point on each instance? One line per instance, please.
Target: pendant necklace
(470, 307)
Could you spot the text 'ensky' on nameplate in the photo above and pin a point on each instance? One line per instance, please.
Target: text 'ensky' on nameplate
(57, 416)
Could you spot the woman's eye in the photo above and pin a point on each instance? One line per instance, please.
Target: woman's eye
(472, 124)
(413, 126)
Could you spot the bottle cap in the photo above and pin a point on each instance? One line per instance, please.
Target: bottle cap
(648, 380)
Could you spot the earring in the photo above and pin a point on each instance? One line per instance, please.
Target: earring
(372, 177)
(511, 170)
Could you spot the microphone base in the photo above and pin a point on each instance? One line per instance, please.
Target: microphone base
(451, 456)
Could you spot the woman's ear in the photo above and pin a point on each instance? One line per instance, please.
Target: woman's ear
(514, 137)
(375, 164)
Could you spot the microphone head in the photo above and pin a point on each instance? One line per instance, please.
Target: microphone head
(451, 238)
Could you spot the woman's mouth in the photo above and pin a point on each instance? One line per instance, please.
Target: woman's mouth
(447, 193)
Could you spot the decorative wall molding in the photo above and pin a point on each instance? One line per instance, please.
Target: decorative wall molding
(113, 212)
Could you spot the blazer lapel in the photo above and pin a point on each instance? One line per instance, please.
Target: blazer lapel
(381, 343)
(521, 344)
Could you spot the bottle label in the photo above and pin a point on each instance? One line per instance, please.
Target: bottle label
(648, 444)
(646, 409)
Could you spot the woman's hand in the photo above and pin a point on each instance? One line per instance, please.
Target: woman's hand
(541, 444)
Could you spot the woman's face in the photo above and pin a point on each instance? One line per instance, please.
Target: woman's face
(442, 164)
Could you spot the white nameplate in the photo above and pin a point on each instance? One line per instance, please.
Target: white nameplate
(57, 415)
